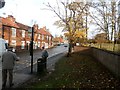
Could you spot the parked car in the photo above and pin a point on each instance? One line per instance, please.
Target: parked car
(65, 45)
(58, 44)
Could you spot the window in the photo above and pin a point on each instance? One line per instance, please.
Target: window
(23, 44)
(38, 44)
(23, 33)
(13, 32)
(13, 43)
(47, 37)
(38, 36)
(42, 37)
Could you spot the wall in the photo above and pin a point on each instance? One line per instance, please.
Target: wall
(109, 59)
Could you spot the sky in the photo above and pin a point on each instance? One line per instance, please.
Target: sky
(29, 12)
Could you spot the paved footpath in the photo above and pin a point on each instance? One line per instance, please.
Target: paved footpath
(24, 74)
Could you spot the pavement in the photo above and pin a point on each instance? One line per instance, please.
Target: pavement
(24, 74)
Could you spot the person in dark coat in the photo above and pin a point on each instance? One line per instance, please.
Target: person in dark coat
(8, 62)
(44, 56)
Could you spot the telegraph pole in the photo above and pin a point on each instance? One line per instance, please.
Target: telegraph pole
(31, 49)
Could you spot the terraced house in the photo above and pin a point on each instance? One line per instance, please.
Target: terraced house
(18, 35)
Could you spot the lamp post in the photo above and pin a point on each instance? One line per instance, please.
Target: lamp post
(31, 49)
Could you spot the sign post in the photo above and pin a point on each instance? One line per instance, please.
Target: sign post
(31, 49)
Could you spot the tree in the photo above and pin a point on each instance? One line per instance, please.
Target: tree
(107, 17)
(79, 35)
(101, 38)
(113, 20)
(71, 17)
(102, 21)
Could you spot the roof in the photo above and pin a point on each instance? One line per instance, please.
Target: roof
(8, 22)
(22, 26)
(58, 39)
(11, 23)
(44, 32)
(48, 33)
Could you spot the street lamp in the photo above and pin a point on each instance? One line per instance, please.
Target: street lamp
(31, 48)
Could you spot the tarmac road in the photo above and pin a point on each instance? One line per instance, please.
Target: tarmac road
(25, 59)
(23, 66)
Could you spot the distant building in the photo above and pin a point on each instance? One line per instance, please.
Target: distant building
(57, 40)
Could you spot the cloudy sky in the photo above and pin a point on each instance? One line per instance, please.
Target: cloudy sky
(31, 11)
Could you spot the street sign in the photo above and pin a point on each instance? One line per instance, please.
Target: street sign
(2, 3)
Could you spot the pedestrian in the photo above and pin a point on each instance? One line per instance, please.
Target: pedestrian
(44, 56)
(8, 62)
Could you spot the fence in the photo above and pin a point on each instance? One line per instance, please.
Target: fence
(107, 46)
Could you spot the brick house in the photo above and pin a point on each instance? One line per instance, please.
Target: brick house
(44, 38)
(57, 40)
(24, 37)
(8, 31)
(50, 39)
(18, 35)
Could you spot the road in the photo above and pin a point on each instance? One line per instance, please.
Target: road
(25, 59)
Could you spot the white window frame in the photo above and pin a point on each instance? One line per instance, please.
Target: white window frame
(13, 42)
(38, 44)
(23, 33)
(42, 37)
(13, 32)
(38, 36)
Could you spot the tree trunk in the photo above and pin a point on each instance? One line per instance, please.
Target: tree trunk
(69, 49)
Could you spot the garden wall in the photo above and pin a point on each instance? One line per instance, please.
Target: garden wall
(109, 59)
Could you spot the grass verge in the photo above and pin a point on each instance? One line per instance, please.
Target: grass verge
(78, 71)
